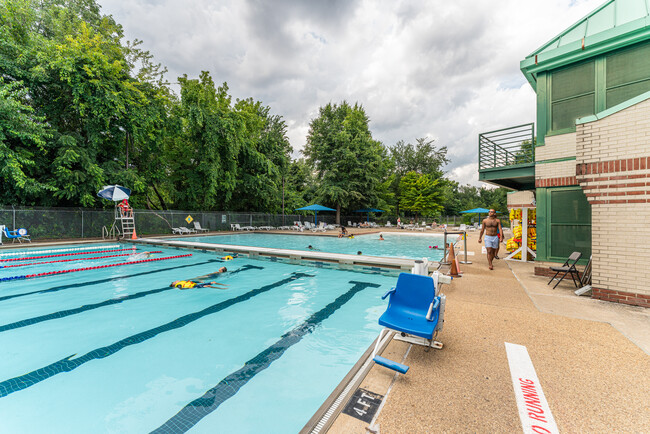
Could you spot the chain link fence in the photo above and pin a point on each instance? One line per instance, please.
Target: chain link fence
(66, 223)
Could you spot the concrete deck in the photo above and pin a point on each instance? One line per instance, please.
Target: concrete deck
(591, 357)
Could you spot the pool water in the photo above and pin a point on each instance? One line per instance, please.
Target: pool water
(117, 350)
(411, 246)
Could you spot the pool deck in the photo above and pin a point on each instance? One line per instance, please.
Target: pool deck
(591, 358)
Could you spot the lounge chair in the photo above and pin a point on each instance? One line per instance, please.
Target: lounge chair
(235, 227)
(198, 228)
(265, 228)
(248, 228)
(462, 227)
(178, 231)
(19, 234)
(413, 309)
(569, 267)
(185, 230)
(388, 225)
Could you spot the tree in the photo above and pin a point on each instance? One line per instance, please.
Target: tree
(420, 194)
(22, 135)
(422, 158)
(348, 162)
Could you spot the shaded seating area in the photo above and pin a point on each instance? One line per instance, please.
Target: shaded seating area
(569, 267)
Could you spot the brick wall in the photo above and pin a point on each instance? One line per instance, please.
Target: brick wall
(561, 146)
(519, 199)
(559, 173)
(613, 169)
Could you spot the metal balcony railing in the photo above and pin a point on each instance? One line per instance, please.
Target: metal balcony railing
(506, 147)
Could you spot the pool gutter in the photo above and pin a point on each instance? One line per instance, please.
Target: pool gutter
(297, 255)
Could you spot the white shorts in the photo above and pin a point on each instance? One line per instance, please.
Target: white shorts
(492, 241)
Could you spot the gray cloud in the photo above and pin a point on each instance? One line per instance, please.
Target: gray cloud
(443, 70)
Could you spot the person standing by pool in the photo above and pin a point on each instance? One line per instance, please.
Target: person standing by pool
(491, 226)
(399, 223)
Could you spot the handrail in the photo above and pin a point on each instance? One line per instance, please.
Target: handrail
(507, 147)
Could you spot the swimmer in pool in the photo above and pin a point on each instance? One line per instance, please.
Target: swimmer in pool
(381, 237)
(139, 256)
(199, 282)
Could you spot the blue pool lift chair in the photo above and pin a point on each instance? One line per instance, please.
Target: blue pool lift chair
(19, 234)
(415, 310)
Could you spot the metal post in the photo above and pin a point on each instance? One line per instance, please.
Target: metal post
(14, 212)
(465, 245)
(82, 223)
(524, 234)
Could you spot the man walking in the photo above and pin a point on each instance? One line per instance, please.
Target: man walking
(493, 235)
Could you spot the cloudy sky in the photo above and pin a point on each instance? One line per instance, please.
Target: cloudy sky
(446, 70)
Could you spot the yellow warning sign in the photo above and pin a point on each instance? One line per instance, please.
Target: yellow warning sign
(189, 219)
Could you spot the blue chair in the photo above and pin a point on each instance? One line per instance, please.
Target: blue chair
(414, 309)
(19, 234)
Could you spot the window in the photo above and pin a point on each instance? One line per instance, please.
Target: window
(628, 74)
(572, 95)
(570, 223)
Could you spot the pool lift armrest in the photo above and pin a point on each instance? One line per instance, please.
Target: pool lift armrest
(389, 292)
(432, 308)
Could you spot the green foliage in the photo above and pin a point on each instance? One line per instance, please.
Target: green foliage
(422, 158)
(349, 164)
(22, 137)
(420, 194)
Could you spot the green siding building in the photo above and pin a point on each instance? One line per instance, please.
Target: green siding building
(588, 162)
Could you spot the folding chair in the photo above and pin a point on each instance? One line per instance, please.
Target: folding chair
(569, 267)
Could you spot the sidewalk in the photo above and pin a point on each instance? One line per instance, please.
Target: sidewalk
(595, 375)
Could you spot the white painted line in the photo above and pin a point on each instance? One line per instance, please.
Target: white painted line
(534, 411)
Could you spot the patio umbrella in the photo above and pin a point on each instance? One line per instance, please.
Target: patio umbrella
(369, 210)
(115, 193)
(478, 211)
(315, 207)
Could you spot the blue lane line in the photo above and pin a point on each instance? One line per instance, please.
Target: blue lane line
(68, 364)
(110, 279)
(87, 307)
(196, 410)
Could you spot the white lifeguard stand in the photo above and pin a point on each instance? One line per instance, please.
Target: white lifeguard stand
(126, 217)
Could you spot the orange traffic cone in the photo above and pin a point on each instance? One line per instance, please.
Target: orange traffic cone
(454, 269)
(134, 236)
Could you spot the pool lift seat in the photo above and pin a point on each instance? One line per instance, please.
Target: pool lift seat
(416, 311)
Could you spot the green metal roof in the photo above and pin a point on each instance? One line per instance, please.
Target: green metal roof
(613, 25)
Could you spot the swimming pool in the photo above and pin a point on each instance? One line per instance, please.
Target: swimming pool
(410, 246)
(117, 350)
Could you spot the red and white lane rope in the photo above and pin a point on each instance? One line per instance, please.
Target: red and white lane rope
(74, 259)
(65, 254)
(49, 273)
(74, 249)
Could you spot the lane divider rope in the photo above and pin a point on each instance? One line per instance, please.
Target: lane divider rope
(32, 252)
(74, 259)
(28, 276)
(65, 254)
